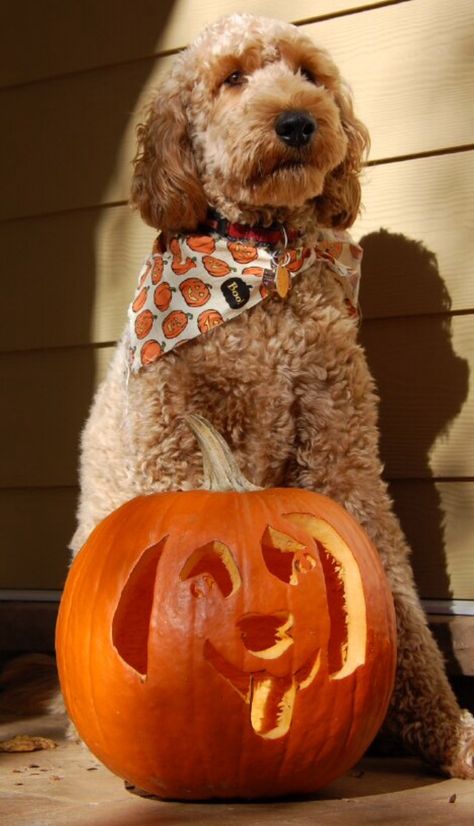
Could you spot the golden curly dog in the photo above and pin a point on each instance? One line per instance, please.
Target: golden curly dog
(255, 123)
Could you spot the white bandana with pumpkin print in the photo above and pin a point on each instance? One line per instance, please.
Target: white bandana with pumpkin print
(201, 281)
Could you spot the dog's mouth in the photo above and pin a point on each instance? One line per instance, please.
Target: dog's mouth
(278, 169)
(291, 166)
(271, 699)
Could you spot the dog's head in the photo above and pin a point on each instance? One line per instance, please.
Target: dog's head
(255, 121)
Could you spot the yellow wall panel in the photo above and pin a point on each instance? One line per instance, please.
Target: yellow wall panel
(78, 36)
(46, 396)
(37, 525)
(422, 367)
(78, 270)
(79, 129)
(417, 229)
(438, 520)
(69, 275)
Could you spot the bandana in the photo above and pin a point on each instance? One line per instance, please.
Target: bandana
(194, 283)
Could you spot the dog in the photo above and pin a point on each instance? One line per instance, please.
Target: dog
(248, 165)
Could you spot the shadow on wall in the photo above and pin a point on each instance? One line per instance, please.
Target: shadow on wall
(422, 385)
(96, 158)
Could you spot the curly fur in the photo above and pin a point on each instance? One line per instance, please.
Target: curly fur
(286, 382)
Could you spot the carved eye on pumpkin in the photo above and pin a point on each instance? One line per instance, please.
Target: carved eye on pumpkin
(209, 566)
(285, 557)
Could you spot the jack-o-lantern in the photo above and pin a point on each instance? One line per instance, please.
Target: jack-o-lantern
(227, 642)
(195, 292)
(201, 243)
(243, 253)
(215, 266)
(162, 296)
(209, 319)
(174, 323)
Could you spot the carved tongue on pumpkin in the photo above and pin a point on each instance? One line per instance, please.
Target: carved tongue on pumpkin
(271, 704)
(271, 698)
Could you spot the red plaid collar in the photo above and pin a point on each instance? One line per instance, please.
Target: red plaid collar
(270, 236)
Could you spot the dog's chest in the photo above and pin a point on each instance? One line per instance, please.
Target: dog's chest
(247, 377)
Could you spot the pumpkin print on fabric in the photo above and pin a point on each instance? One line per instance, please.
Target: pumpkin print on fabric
(182, 267)
(195, 292)
(295, 261)
(257, 271)
(175, 323)
(144, 323)
(157, 270)
(201, 243)
(162, 296)
(216, 267)
(140, 299)
(229, 641)
(150, 351)
(243, 253)
(208, 320)
(171, 297)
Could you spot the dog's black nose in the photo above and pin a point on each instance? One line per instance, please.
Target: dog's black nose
(295, 128)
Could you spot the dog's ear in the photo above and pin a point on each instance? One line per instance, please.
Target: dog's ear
(165, 185)
(339, 203)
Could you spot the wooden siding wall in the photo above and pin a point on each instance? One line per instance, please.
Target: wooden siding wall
(71, 89)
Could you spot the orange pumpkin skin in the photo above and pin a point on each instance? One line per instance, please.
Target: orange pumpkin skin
(163, 674)
(195, 292)
(162, 296)
(215, 266)
(144, 323)
(209, 319)
(150, 351)
(242, 253)
(175, 323)
(201, 243)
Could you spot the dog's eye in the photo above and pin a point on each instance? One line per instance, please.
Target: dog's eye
(237, 78)
(309, 75)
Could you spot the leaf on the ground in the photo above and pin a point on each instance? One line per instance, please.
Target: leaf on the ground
(27, 742)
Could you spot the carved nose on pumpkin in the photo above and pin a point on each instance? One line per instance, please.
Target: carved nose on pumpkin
(266, 635)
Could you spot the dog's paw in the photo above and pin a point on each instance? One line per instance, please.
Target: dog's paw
(463, 763)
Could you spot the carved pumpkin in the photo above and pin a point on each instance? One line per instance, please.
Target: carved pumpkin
(140, 299)
(201, 243)
(195, 292)
(150, 352)
(163, 295)
(144, 323)
(209, 319)
(175, 323)
(215, 266)
(227, 642)
(180, 267)
(243, 253)
(258, 271)
(157, 270)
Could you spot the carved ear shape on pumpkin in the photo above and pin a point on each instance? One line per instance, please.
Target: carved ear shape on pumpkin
(346, 601)
(165, 186)
(131, 621)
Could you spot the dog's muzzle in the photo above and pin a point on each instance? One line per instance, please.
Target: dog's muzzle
(295, 128)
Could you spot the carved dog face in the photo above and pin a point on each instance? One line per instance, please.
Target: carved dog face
(255, 620)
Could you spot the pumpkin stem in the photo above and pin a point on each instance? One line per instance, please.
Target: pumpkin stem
(221, 471)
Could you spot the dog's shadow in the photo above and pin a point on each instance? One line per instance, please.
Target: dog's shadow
(422, 385)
